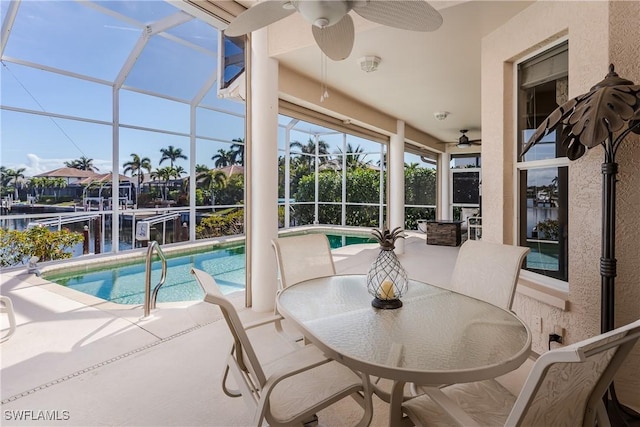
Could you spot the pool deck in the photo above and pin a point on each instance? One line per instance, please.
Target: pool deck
(88, 362)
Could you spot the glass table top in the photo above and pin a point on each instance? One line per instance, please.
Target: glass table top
(437, 336)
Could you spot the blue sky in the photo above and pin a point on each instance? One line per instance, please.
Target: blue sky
(82, 39)
(71, 37)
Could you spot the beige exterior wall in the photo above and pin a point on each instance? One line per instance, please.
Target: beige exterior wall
(598, 33)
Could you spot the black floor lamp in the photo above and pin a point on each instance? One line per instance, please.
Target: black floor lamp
(586, 121)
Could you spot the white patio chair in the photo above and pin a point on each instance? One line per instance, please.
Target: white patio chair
(6, 306)
(564, 387)
(293, 388)
(303, 257)
(465, 214)
(488, 271)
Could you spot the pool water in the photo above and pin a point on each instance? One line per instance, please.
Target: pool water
(124, 284)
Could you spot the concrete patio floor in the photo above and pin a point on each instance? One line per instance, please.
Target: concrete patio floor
(83, 362)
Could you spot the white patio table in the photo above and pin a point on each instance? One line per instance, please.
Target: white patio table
(436, 337)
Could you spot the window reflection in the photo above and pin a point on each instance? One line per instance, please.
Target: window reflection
(544, 220)
(466, 188)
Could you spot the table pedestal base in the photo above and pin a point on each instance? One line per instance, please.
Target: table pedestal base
(386, 304)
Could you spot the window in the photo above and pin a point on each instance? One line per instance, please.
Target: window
(466, 176)
(543, 172)
(327, 176)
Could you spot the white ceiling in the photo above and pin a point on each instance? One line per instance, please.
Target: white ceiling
(419, 73)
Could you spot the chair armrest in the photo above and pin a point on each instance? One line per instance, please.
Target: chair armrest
(293, 363)
(271, 319)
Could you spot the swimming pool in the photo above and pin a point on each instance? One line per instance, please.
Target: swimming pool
(124, 283)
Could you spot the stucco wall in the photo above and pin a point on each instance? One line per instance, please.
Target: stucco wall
(598, 33)
(624, 51)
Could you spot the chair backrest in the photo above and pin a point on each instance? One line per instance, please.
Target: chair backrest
(488, 271)
(566, 385)
(244, 353)
(465, 213)
(303, 257)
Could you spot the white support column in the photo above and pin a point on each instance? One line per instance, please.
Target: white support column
(443, 210)
(263, 215)
(192, 173)
(287, 178)
(396, 182)
(343, 207)
(115, 179)
(316, 169)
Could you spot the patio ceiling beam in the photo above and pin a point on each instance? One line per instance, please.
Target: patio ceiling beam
(148, 31)
(7, 24)
(222, 12)
(169, 22)
(132, 58)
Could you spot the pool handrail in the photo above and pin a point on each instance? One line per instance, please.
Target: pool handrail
(151, 296)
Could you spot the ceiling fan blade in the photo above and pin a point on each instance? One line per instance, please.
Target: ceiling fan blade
(336, 41)
(260, 15)
(414, 15)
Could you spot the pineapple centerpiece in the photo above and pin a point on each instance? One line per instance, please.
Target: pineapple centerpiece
(387, 279)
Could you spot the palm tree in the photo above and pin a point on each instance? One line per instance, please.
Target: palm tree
(354, 156)
(223, 158)
(237, 150)
(15, 175)
(4, 180)
(83, 163)
(310, 147)
(309, 151)
(164, 174)
(178, 171)
(136, 166)
(38, 182)
(211, 179)
(201, 168)
(56, 183)
(172, 154)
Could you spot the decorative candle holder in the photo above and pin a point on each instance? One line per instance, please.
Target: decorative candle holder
(387, 280)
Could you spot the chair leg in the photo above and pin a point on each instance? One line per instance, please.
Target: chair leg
(313, 421)
(6, 306)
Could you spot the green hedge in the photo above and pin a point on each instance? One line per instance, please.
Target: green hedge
(16, 246)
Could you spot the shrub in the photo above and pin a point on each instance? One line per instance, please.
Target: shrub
(549, 229)
(225, 223)
(18, 246)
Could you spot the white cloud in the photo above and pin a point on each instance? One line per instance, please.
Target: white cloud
(36, 165)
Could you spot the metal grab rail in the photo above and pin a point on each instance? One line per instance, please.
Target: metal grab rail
(61, 220)
(151, 296)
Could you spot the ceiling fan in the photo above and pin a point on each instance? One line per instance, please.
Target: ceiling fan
(464, 141)
(332, 26)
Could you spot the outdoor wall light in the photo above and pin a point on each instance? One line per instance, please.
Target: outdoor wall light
(369, 63)
(441, 115)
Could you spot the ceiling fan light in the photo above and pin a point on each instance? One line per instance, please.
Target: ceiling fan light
(322, 13)
(321, 22)
(463, 145)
